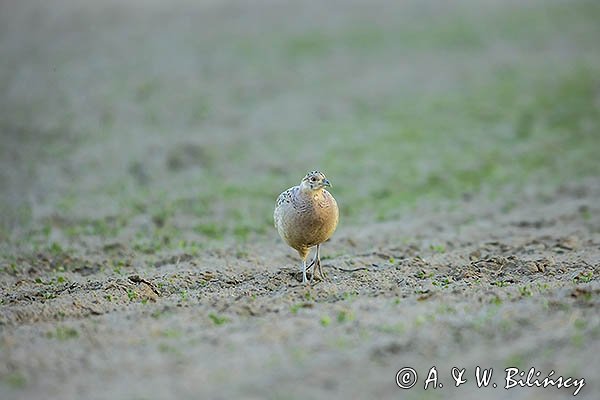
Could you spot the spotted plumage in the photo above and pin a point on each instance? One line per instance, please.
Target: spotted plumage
(306, 216)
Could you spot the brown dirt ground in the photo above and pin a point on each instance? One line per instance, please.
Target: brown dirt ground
(477, 285)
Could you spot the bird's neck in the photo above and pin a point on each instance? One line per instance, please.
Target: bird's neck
(315, 194)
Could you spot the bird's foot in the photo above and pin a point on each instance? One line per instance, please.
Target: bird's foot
(322, 274)
(312, 263)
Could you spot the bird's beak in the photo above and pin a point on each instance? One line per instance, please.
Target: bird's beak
(326, 183)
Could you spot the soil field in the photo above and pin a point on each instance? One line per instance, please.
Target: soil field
(143, 145)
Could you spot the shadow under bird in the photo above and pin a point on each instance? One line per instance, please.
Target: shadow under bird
(306, 216)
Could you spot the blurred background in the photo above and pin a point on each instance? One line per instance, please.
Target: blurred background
(143, 144)
(175, 125)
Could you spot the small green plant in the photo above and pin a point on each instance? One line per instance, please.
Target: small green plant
(422, 274)
(580, 324)
(167, 348)
(241, 253)
(172, 333)
(345, 316)
(46, 230)
(446, 309)
(542, 286)
(585, 213)
(496, 300)
(516, 360)
(444, 282)
(392, 329)
(295, 307)
(11, 269)
(438, 248)
(242, 232)
(63, 333)
(55, 249)
(52, 281)
(525, 291)
(325, 320)
(217, 319)
(578, 338)
(117, 267)
(15, 380)
(211, 230)
(49, 295)
(584, 277)
(419, 320)
(349, 296)
(132, 294)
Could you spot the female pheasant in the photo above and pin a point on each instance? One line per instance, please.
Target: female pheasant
(306, 216)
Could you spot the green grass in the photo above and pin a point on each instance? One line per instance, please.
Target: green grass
(475, 151)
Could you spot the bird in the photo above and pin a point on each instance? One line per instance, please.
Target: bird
(306, 216)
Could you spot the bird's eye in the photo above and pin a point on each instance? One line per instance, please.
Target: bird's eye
(312, 179)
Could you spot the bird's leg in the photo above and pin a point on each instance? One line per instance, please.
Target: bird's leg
(304, 270)
(318, 263)
(312, 262)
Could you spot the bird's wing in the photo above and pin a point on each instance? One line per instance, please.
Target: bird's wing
(285, 199)
(287, 196)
